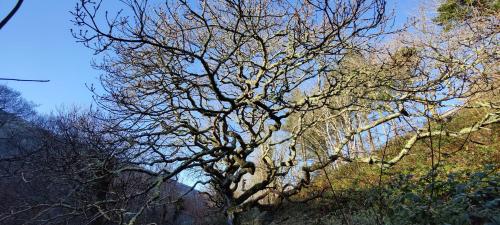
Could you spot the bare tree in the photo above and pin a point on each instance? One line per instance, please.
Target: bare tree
(49, 169)
(463, 64)
(74, 168)
(207, 85)
(12, 102)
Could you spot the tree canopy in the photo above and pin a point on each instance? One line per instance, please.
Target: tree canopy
(207, 86)
(253, 99)
(454, 11)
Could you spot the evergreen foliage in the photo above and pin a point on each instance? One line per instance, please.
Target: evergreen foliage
(451, 12)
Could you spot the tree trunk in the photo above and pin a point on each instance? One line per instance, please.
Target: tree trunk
(233, 218)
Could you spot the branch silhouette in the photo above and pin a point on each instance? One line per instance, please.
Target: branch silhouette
(23, 80)
(11, 13)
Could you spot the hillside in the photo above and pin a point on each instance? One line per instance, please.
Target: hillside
(23, 153)
(461, 189)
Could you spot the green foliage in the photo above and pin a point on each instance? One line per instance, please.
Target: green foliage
(461, 198)
(451, 12)
(459, 190)
(458, 199)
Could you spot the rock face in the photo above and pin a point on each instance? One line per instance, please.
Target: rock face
(29, 177)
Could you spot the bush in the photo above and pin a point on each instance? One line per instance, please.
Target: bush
(459, 199)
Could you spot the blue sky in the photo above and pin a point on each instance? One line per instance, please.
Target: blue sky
(37, 44)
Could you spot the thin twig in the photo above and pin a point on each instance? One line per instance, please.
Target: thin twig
(24, 80)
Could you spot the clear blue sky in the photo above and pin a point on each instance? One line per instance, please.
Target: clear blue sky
(37, 44)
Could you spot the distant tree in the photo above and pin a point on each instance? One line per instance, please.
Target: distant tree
(49, 167)
(12, 102)
(451, 12)
(74, 168)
